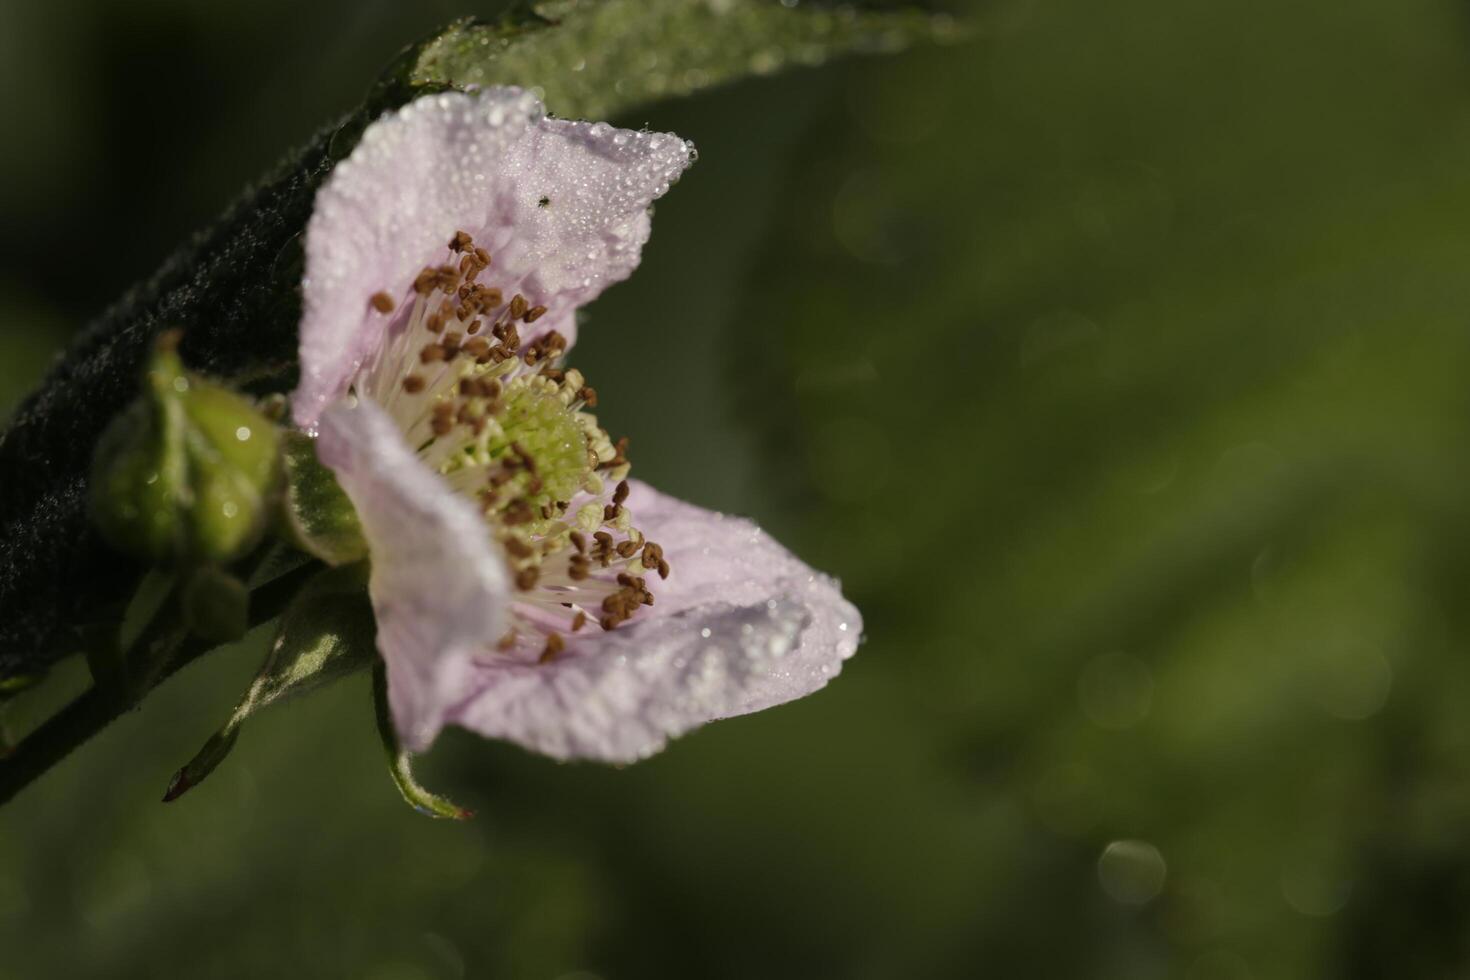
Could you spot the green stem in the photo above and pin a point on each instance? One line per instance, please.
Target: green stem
(95, 708)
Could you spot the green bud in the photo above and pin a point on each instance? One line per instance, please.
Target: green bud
(186, 472)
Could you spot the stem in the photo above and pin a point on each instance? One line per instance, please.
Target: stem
(95, 708)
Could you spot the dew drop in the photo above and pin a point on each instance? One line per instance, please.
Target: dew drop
(1132, 872)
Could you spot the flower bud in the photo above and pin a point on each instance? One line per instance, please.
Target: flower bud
(186, 472)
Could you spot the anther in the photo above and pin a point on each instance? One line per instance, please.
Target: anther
(534, 313)
(554, 645)
(518, 306)
(382, 302)
(413, 384)
(442, 422)
(620, 455)
(460, 241)
(526, 578)
(652, 554)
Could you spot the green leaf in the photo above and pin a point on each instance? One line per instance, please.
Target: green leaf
(326, 634)
(399, 760)
(597, 58)
(319, 519)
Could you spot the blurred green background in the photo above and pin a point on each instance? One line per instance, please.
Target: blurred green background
(1114, 359)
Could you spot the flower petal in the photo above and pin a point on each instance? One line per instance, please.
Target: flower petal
(562, 207)
(439, 584)
(740, 625)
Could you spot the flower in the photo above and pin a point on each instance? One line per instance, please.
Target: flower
(523, 586)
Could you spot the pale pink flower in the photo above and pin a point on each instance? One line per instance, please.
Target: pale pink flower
(523, 587)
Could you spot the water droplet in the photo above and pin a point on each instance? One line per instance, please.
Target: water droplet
(1132, 872)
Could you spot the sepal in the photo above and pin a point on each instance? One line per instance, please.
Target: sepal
(327, 633)
(318, 517)
(400, 760)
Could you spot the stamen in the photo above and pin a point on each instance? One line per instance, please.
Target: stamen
(554, 646)
(508, 427)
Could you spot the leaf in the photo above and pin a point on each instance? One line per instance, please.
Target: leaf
(326, 634)
(235, 287)
(606, 56)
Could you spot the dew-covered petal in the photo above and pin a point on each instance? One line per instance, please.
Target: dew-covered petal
(561, 206)
(740, 625)
(439, 584)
